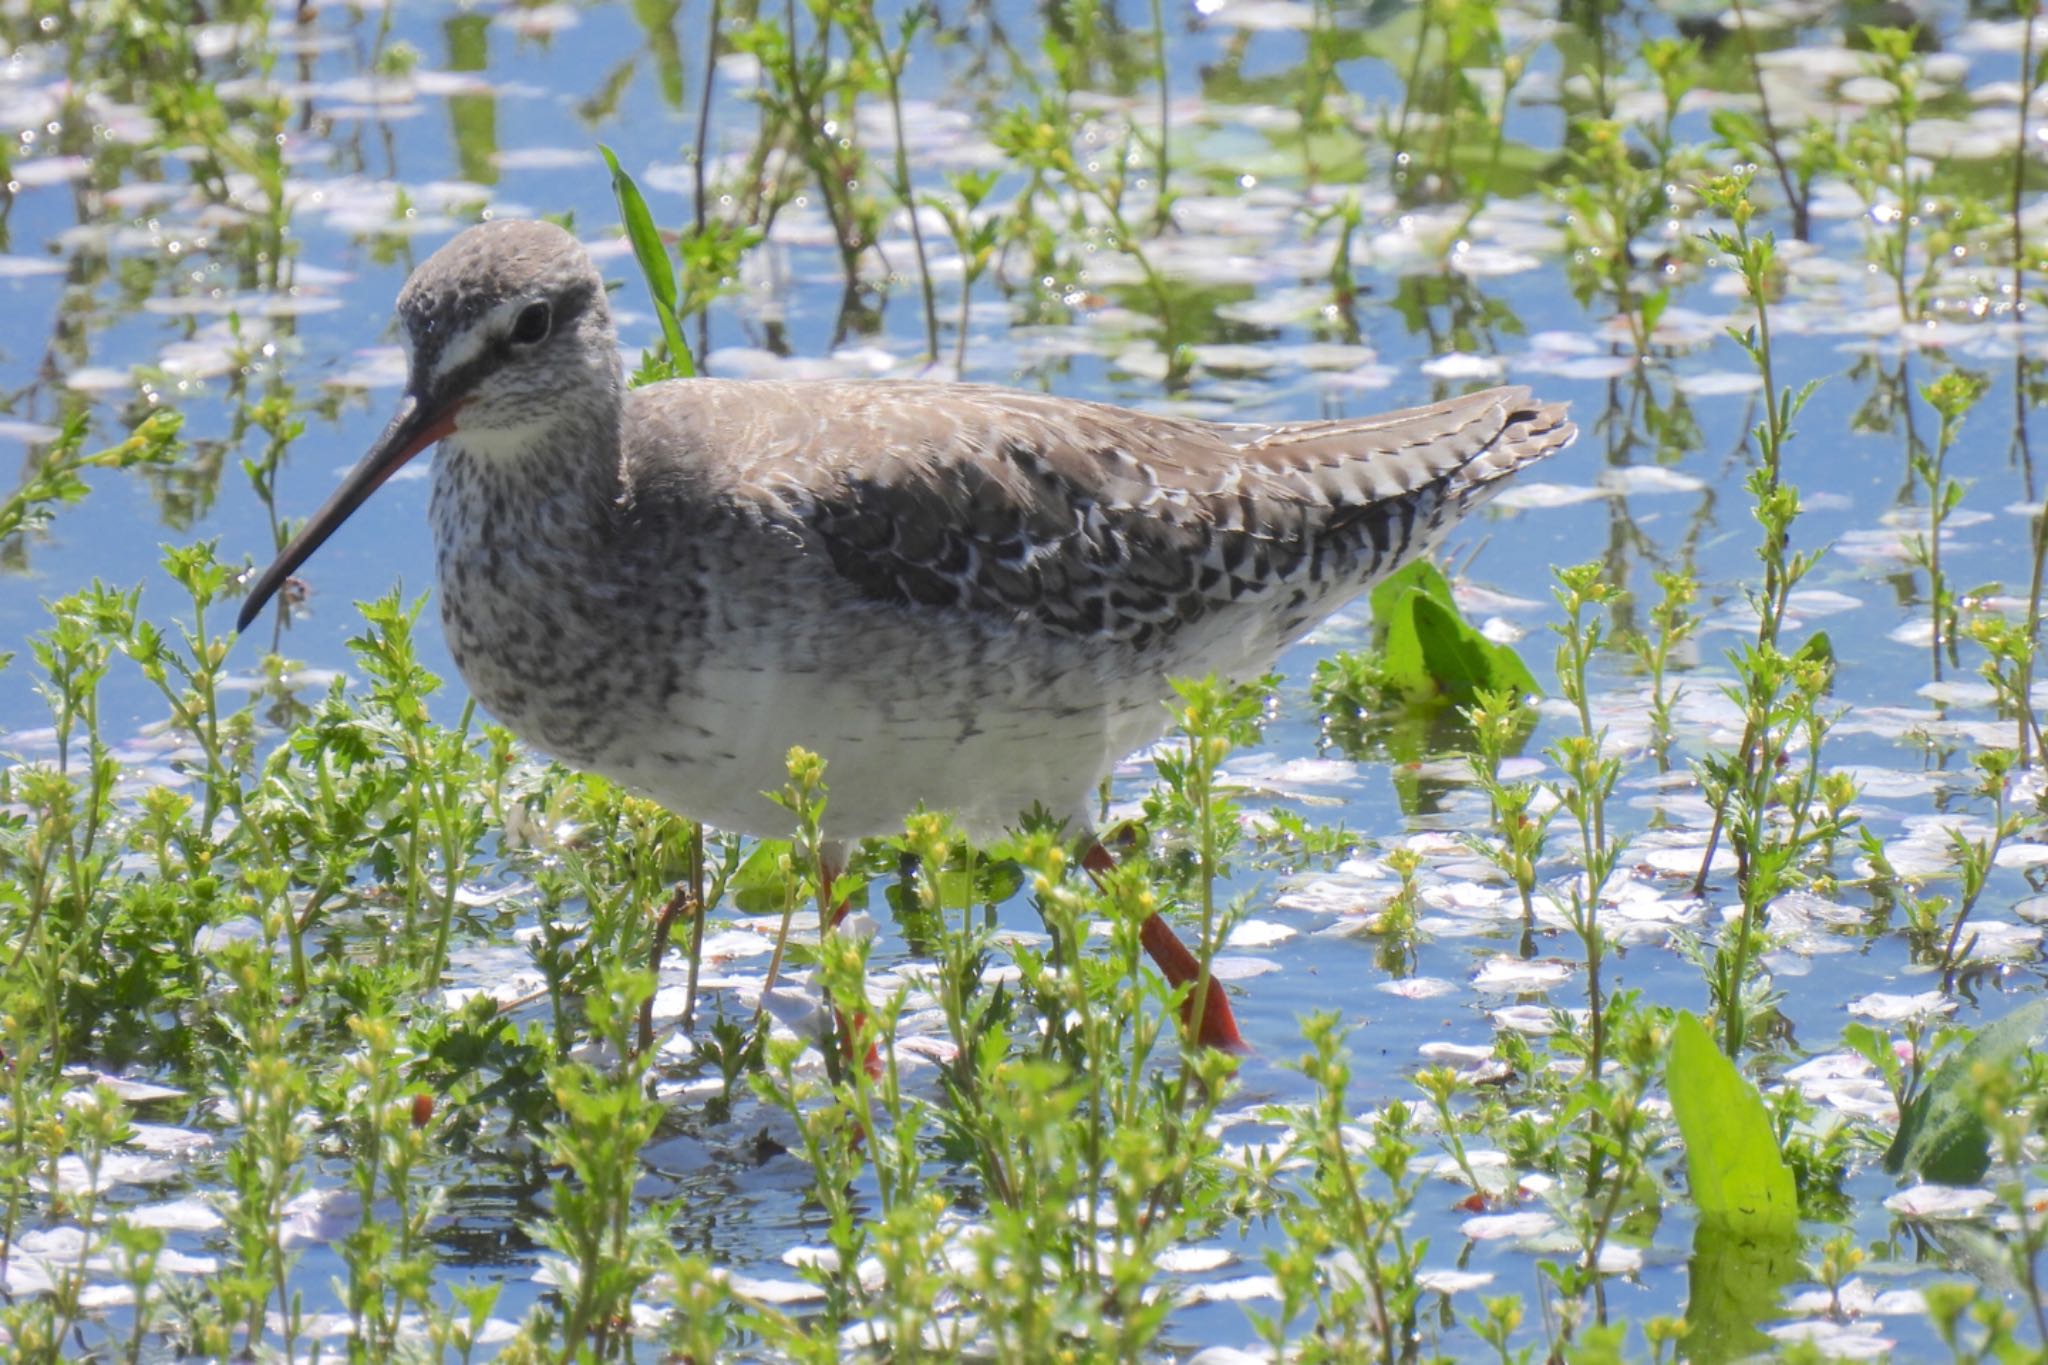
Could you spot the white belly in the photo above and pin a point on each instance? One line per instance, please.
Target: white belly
(983, 730)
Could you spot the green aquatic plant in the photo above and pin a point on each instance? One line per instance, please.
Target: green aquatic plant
(1951, 396)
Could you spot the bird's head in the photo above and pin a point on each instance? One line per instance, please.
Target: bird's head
(508, 338)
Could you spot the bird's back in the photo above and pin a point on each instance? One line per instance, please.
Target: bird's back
(1155, 536)
(972, 597)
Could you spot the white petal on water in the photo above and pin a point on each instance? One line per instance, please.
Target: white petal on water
(939, 1051)
(50, 170)
(1490, 262)
(373, 367)
(1456, 366)
(1997, 941)
(1844, 1341)
(19, 267)
(730, 944)
(1260, 933)
(1536, 1021)
(825, 1258)
(1891, 783)
(1235, 357)
(1504, 974)
(1449, 1282)
(1419, 987)
(1800, 910)
(547, 159)
(1474, 599)
(800, 1011)
(99, 379)
(175, 1215)
(1496, 1227)
(1936, 1202)
(24, 1276)
(1830, 1066)
(1719, 383)
(1556, 342)
(1822, 601)
(98, 1298)
(130, 1090)
(2021, 855)
(1958, 692)
(175, 1262)
(1686, 861)
(1272, 772)
(538, 22)
(1278, 308)
(1244, 1289)
(319, 1216)
(1890, 1008)
(1630, 480)
(1590, 367)
(1616, 1259)
(1542, 495)
(28, 433)
(115, 1168)
(776, 1292)
(165, 1139)
(1194, 1260)
(1500, 631)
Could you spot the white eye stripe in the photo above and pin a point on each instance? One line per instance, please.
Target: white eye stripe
(467, 345)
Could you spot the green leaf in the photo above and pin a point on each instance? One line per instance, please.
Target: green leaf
(1941, 1133)
(1653, 310)
(1735, 1281)
(1817, 649)
(1430, 650)
(759, 884)
(1418, 575)
(648, 250)
(1738, 1176)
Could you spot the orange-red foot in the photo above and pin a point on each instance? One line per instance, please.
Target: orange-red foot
(1218, 1027)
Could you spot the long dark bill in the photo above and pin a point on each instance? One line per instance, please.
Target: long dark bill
(411, 431)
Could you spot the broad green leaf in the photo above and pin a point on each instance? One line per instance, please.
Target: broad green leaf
(1430, 650)
(655, 265)
(758, 886)
(1461, 660)
(1941, 1134)
(1418, 575)
(1738, 1176)
(1821, 650)
(1735, 1280)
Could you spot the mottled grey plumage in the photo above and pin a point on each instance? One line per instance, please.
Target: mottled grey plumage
(960, 595)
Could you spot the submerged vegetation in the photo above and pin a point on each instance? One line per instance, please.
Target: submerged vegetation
(1636, 923)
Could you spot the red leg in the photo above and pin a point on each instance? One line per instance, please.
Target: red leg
(1218, 1028)
(872, 1063)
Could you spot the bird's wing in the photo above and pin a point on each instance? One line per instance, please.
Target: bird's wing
(1100, 521)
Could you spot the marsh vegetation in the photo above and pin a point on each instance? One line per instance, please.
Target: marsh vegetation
(1637, 925)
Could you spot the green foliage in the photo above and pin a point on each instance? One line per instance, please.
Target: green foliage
(655, 266)
(56, 476)
(1732, 1163)
(1943, 1134)
(1427, 653)
(261, 900)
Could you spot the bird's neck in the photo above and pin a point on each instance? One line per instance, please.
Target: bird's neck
(542, 483)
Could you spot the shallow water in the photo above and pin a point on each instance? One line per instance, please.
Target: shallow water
(117, 282)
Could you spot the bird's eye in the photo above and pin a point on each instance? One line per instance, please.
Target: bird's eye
(534, 321)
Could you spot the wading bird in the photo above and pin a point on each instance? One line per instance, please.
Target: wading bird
(960, 595)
